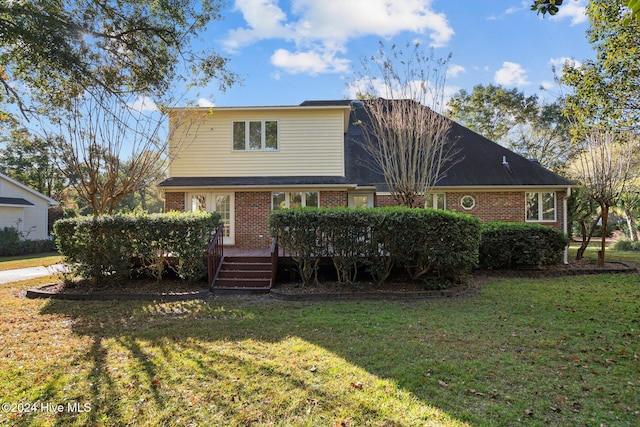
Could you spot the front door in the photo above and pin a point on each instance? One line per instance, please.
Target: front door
(223, 203)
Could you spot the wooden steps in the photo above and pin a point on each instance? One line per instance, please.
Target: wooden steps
(244, 273)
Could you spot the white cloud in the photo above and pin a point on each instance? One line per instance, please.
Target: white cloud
(574, 10)
(455, 70)
(142, 104)
(205, 103)
(511, 74)
(559, 63)
(320, 30)
(310, 62)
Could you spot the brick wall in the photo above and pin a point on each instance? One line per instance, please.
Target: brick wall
(252, 210)
(251, 219)
(174, 201)
(333, 198)
(505, 206)
(491, 206)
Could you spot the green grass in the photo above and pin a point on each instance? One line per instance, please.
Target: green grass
(610, 254)
(22, 261)
(521, 352)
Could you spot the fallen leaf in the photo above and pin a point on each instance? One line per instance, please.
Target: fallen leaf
(528, 412)
(156, 381)
(554, 409)
(357, 385)
(313, 368)
(442, 383)
(344, 423)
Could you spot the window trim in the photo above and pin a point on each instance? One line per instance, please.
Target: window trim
(540, 206)
(473, 199)
(287, 197)
(247, 135)
(434, 204)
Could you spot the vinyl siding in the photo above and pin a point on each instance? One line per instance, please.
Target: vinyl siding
(34, 218)
(310, 143)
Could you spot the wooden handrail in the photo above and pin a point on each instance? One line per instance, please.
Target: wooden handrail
(274, 261)
(215, 254)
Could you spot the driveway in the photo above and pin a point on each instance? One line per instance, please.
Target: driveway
(8, 276)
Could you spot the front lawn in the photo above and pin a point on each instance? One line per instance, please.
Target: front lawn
(560, 351)
(35, 260)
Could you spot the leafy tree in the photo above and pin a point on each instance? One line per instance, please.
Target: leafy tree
(547, 6)
(409, 143)
(585, 211)
(604, 170)
(110, 153)
(629, 204)
(56, 50)
(606, 91)
(522, 123)
(492, 111)
(32, 161)
(553, 6)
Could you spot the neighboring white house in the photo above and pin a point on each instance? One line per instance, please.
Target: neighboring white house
(24, 209)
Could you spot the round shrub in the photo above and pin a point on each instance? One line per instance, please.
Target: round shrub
(520, 246)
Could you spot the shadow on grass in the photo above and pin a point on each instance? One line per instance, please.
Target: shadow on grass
(291, 357)
(547, 352)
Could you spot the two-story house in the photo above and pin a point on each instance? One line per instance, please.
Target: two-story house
(244, 162)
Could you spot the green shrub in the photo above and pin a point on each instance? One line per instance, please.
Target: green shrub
(111, 246)
(12, 243)
(520, 246)
(626, 245)
(422, 241)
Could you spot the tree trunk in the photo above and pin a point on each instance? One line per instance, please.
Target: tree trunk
(585, 235)
(605, 219)
(631, 224)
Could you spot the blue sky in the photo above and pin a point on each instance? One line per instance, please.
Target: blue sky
(290, 51)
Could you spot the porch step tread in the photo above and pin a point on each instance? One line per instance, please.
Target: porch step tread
(264, 274)
(248, 259)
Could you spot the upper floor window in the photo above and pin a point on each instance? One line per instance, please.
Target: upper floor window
(255, 135)
(435, 201)
(284, 200)
(541, 206)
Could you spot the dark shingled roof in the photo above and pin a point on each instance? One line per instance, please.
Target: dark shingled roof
(15, 201)
(478, 163)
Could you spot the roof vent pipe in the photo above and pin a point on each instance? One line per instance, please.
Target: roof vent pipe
(506, 164)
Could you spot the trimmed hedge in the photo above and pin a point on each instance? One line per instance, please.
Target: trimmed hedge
(118, 246)
(422, 241)
(520, 246)
(13, 242)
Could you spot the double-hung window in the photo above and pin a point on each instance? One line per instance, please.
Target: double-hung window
(541, 206)
(294, 199)
(255, 135)
(435, 201)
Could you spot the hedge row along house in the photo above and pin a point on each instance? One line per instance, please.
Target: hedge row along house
(244, 162)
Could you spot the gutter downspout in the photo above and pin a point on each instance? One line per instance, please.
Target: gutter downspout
(565, 224)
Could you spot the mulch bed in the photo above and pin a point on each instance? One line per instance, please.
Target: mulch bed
(171, 289)
(136, 289)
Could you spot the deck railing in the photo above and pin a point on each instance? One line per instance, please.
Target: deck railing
(214, 255)
(274, 261)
